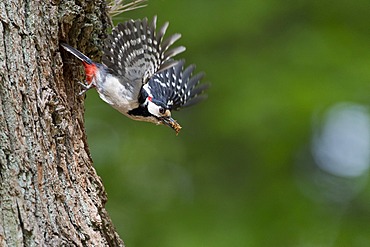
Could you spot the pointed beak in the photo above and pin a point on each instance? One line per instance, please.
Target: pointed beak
(169, 121)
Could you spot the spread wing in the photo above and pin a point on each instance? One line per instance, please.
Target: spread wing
(176, 87)
(136, 51)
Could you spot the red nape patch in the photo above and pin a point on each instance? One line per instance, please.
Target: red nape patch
(150, 98)
(90, 71)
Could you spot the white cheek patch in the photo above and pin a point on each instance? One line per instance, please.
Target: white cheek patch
(153, 109)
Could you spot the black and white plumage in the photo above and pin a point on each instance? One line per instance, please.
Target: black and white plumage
(176, 87)
(139, 76)
(135, 51)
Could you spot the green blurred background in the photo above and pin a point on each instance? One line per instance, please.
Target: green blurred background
(278, 155)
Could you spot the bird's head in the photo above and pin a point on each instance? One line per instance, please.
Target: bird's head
(161, 112)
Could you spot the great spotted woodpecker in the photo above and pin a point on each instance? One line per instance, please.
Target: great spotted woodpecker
(138, 76)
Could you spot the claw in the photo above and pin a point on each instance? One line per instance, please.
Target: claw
(86, 86)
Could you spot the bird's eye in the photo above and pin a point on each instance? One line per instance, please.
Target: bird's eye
(162, 110)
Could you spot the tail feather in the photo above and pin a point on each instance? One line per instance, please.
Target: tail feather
(90, 67)
(77, 53)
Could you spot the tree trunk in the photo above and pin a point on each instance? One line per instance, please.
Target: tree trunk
(50, 194)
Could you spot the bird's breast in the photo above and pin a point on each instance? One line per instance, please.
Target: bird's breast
(120, 96)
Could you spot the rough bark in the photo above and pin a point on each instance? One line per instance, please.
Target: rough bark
(50, 194)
